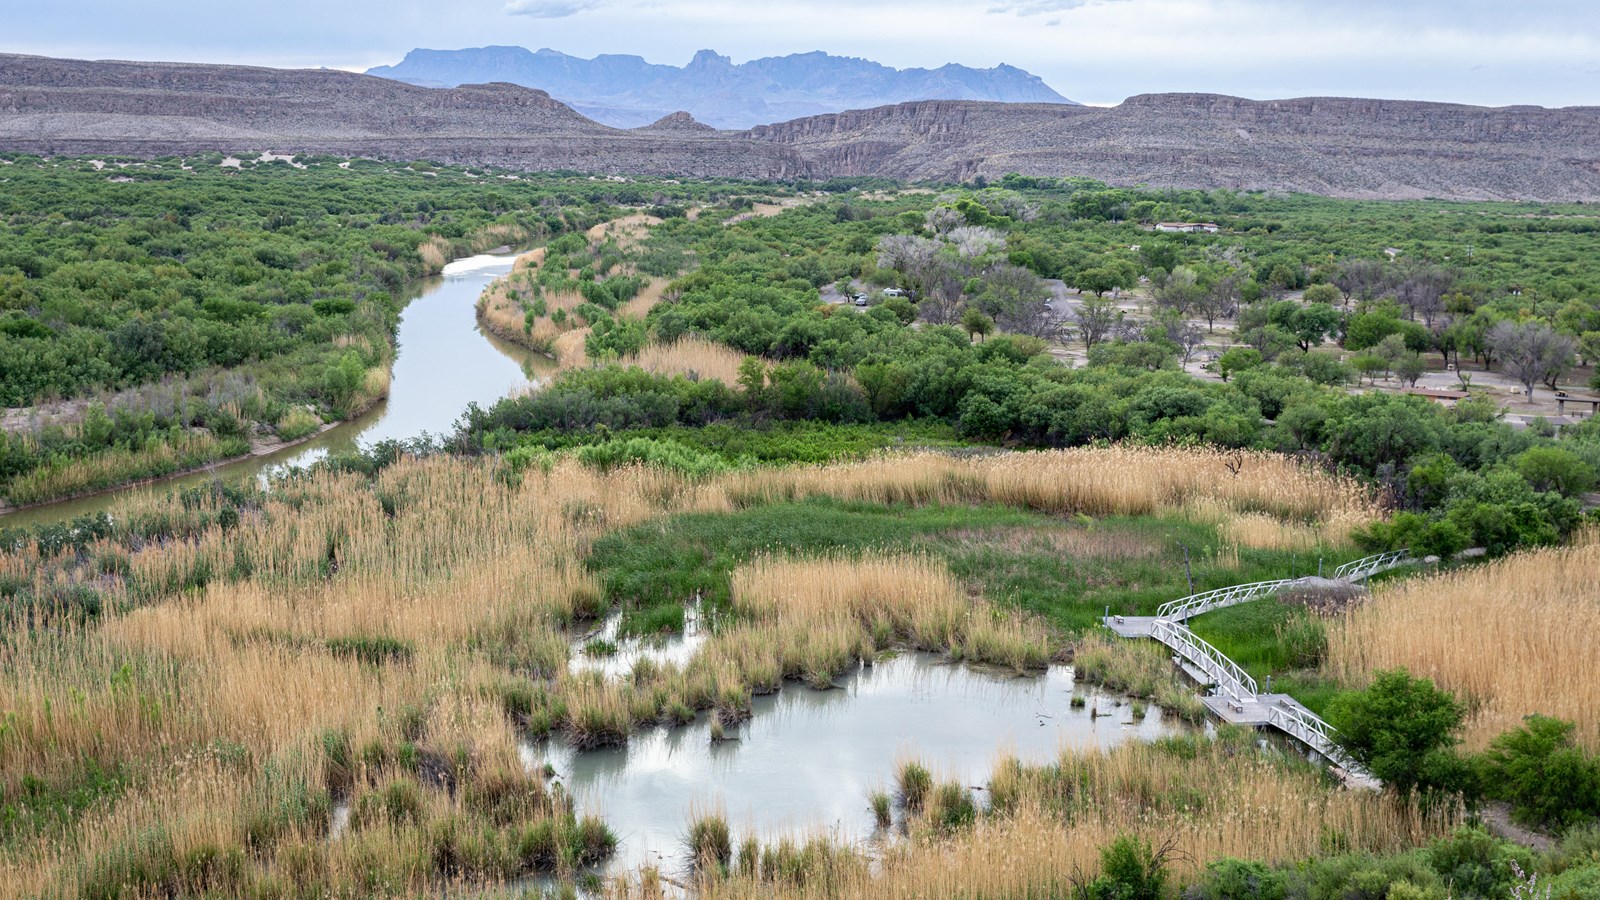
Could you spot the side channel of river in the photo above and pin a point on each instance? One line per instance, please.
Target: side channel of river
(443, 361)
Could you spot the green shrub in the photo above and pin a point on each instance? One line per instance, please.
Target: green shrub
(1538, 768)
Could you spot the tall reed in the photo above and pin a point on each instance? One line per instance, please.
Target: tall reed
(1513, 637)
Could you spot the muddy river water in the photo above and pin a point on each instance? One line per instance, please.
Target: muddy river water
(443, 362)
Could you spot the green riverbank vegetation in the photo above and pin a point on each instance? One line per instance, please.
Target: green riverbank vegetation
(157, 315)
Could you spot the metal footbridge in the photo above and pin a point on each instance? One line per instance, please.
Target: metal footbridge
(1232, 695)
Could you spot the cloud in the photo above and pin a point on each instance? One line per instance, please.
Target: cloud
(549, 9)
(1037, 7)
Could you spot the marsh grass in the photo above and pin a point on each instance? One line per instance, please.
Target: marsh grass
(1513, 637)
(1120, 480)
(297, 423)
(914, 781)
(255, 656)
(1140, 669)
(1266, 636)
(882, 807)
(691, 356)
(1044, 825)
(1031, 565)
(708, 842)
(63, 477)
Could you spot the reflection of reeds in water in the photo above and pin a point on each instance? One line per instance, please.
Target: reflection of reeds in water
(1043, 825)
(1513, 637)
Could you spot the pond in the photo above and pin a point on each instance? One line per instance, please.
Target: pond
(807, 760)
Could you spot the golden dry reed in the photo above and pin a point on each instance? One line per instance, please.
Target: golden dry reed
(1121, 480)
(691, 356)
(349, 636)
(434, 252)
(1514, 637)
(891, 597)
(1209, 799)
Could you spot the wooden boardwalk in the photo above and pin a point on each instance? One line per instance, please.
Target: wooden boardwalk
(1232, 695)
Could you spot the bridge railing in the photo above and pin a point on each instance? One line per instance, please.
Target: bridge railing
(1218, 669)
(1309, 728)
(1185, 608)
(1370, 565)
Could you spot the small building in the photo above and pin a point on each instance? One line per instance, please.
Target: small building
(1188, 227)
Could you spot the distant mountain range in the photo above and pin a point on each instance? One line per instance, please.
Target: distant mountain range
(1389, 149)
(627, 91)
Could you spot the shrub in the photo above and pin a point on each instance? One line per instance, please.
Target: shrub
(1546, 778)
(1554, 469)
(1236, 879)
(1402, 729)
(298, 423)
(1129, 870)
(666, 454)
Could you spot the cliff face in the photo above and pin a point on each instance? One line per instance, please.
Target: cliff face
(1333, 146)
(1342, 147)
(72, 107)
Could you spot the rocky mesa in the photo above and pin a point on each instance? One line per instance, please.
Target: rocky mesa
(1382, 149)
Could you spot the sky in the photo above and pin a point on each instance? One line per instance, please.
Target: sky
(1486, 52)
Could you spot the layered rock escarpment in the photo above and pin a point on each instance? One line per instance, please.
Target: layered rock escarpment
(1382, 149)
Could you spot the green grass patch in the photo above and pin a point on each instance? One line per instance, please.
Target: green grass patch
(1270, 638)
(782, 442)
(1067, 570)
(37, 807)
(371, 650)
(652, 570)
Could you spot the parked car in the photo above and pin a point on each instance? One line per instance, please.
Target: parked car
(861, 299)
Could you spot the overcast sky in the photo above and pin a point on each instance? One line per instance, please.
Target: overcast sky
(1490, 52)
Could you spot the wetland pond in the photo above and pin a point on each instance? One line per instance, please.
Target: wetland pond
(443, 361)
(807, 760)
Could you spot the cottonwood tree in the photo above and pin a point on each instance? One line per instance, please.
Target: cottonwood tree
(1422, 290)
(1220, 301)
(1014, 297)
(1362, 279)
(1096, 319)
(975, 322)
(1181, 333)
(1180, 290)
(975, 241)
(909, 255)
(1409, 368)
(942, 298)
(1100, 279)
(941, 220)
(1531, 351)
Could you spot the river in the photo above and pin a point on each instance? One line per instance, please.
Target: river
(443, 361)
